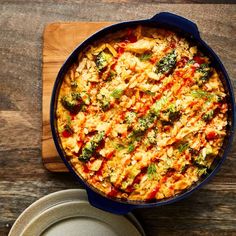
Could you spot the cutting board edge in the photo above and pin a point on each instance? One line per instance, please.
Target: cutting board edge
(48, 150)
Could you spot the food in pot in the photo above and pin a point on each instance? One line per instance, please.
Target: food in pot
(142, 114)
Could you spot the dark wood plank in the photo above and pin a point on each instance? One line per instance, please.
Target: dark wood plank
(209, 211)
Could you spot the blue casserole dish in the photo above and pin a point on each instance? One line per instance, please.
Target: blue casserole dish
(190, 31)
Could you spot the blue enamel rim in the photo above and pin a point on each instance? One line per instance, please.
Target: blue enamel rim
(190, 30)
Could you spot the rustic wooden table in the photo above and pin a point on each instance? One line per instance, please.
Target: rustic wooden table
(23, 179)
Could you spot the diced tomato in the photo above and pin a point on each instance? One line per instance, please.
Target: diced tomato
(192, 103)
(109, 155)
(153, 60)
(108, 130)
(120, 50)
(99, 172)
(171, 188)
(187, 81)
(211, 135)
(132, 38)
(80, 143)
(85, 169)
(173, 44)
(166, 49)
(199, 60)
(153, 193)
(124, 134)
(133, 68)
(179, 73)
(72, 116)
(113, 192)
(114, 64)
(66, 133)
(182, 62)
(122, 116)
(164, 179)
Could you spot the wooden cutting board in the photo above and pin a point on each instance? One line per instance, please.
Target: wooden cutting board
(59, 40)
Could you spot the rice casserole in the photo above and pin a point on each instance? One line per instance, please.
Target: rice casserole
(142, 114)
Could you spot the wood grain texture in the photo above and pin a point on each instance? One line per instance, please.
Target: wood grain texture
(23, 179)
(59, 40)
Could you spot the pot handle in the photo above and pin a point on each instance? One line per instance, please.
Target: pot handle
(107, 204)
(178, 22)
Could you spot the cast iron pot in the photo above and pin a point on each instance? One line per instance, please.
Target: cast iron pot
(189, 30)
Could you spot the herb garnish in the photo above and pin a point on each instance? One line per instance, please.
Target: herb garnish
(117, 93)
(145, 56)
(131, 147)
(152, 170)
(208, 116)
(183, 146)
(201, 94)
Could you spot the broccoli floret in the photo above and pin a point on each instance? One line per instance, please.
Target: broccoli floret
(166, 64)
(72, 102)
(191, 62)
(104, 102)
(85, 97)
(152, 136)
(68, 128)
(142, 125)
(74, 84)
(117, 93)
(130, 117)
(174, 116)
(91, 147)
(145, 122)
(199, 161)
(157, 106)
(205, 71)
(105, 105)
(112, 75)
(102, 60)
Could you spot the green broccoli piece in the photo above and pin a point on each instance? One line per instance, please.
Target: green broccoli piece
(143, 124)
(112, 75)
(72, 102)
(205, 71)
(90, 147)
(105, 105)
(157, 106)
(166, 64)
(68, 128)
(130, 117)
(103, 60)
(117, 93)
(152, 136)
(174, 116)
